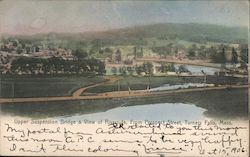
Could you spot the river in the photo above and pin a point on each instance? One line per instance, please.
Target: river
(158, 112)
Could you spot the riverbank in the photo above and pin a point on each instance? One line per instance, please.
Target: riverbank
(224, 103)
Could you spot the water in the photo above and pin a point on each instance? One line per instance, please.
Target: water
(182, 86)
(157, 112)
(196, 70)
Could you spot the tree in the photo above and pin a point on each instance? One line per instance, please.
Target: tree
(108, 50)
(147, 68)
(96, 43)
(192, 51)
(202, 52)
(244, 55)
(114, 70)
(57, 64)
(163, 68)
(123, 71)
(135, 53)
(212, 52)
(45, 66)
(183, 69)
(167, 68)
(19, 50)
(79, 54)
(234, 56)
(101, 51)
(170, 47)
(118, 56)
(218, 57)
(130, 70)
(223, 56)
(138, 70)
(141, 53)
(101, 67)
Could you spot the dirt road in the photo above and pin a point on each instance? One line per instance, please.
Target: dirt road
(78, 92)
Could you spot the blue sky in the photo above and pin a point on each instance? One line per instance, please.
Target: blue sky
(39, 16)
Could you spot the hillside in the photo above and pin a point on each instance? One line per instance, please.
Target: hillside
(189, 32)
(166, 31)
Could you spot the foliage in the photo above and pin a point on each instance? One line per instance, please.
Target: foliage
(118, 56)
(146, 67)
(244, 54)
(56, 65)
(167, 68)
(234, 56)
(79, 54)
(182, 69)
(218, 55)
(192, 51)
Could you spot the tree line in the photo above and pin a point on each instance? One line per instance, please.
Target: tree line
(56, 65)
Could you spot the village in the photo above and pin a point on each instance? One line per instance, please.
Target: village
(48, 57)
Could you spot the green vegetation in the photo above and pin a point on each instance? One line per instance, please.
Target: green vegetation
(121, 46)
(199, 33)
(244, 55)
(146, 68)
(167, 68)
(141, 83)
(60, 74)
(182, 69)
(40, 86)
(56, 65)
(26, 86)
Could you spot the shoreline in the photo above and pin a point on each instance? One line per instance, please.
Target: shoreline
(227, 103)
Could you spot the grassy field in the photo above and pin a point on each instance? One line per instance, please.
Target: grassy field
(27, 86)
(141, 83)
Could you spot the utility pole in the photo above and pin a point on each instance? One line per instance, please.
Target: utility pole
(118, 85)
(205, 76)
(13, 89)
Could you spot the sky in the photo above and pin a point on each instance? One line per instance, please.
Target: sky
(42, 16)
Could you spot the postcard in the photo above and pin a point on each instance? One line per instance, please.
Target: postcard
(124, 78)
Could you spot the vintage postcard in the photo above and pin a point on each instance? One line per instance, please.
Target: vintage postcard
(124, 78)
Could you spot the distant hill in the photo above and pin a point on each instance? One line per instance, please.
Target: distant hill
(189, 32)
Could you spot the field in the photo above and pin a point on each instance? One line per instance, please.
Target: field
(27, 86)
(228, 103)
(31, 86)
(142, 83)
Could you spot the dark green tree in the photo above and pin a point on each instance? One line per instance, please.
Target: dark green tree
(244, 55)
(147, 68)
(114, 70)
(182, 69)
(118, 56)
(234, 56)
(79, 54)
